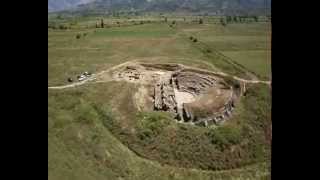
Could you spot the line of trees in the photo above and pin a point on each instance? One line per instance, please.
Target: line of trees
(241, 19)
(238, 19)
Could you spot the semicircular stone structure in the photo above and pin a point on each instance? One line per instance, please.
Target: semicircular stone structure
(192, 95)
(195, 97)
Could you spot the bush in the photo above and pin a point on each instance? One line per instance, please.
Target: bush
(222, 21)
(61, 26)
(191, 38)
(85, 34)
(224, 136)
(105, 115)
(78, 36)
(195, 40)
(218, 139)
(85, 113)
(151, 124)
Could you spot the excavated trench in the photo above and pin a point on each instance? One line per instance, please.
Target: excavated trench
(192, 95)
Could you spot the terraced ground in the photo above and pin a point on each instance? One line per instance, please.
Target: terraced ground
(96, 132)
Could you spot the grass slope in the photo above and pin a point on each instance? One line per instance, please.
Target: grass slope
(82, 147)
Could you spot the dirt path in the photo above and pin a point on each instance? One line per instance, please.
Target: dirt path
(95, 76)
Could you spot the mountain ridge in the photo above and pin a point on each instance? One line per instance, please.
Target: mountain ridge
(207, 6)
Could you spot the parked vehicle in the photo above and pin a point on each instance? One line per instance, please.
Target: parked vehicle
(82, 77)
(70, 80)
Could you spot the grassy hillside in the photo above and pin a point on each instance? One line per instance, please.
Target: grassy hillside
(82, 147)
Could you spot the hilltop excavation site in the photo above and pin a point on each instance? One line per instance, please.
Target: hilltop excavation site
(192, 95)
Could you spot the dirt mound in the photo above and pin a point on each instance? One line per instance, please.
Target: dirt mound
(193, 96)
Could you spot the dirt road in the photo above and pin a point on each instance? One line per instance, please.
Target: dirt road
(94, 76)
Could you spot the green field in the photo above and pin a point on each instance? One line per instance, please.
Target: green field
(246, 44)
(95, 131)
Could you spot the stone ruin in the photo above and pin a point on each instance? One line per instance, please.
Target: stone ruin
(193, 96)
(194, 85)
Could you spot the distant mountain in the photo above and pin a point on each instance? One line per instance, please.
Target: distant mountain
(204, 6)
(57, 5)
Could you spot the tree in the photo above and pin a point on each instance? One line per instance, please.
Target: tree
(223, 23)
(102, 24)
(59, 17)
(165, 19)
(235, 19)
(255, 18)
(229, 19)
(200, 21)
(241, 19)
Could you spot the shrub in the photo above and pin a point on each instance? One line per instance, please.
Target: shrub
(61, 26)
(224, 136)
(231, 134)
(218, 139)
(105, 115)
(191, 38)
(195, 40)
(78, 36)
(222, 21)
(85, 113)
(151, 124)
